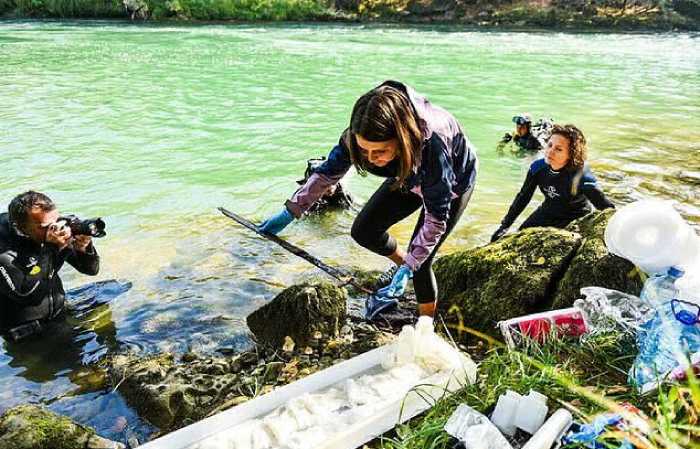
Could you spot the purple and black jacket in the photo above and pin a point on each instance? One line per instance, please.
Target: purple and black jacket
(447, 169)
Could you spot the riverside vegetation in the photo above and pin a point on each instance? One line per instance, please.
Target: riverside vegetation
(579, 14)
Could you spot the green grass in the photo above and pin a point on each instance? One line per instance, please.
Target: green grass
(587, 377)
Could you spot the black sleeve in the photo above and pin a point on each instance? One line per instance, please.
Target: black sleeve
(19, 284)
(521, 199)
(87, 262)
(592, 191)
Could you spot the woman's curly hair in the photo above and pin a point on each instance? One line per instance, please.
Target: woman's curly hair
(578, 151)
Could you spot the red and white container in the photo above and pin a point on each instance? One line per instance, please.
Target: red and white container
(538, 326)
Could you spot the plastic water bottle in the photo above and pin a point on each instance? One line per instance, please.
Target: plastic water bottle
(661, 288)
(664, 342)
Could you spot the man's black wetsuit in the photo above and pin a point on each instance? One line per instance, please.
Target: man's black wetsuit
(528, 142)
(568, 195)
(30, 288)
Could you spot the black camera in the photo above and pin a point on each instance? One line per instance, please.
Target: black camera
(94, 227)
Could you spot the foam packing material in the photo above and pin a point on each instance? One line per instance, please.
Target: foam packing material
(312, 419)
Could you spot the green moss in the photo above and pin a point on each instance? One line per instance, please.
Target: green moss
(299, 312)
(512, 277)
(593, 265)
(33, 427)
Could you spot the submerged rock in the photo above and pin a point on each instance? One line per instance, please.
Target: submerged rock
(34, 427)
(512, 277)
(593, 265)
(299, 312)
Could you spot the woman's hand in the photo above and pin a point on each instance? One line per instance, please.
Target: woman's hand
(398, 283)
(275, 224)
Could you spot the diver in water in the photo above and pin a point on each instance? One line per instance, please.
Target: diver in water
(336, 197)
(568, 185)
(523, 137)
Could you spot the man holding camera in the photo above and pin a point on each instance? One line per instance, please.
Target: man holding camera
(35, 241)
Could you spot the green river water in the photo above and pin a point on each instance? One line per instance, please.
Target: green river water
(153, 127)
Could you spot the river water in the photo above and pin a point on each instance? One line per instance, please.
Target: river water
(153, 127)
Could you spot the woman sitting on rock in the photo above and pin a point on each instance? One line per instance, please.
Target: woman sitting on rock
(429, 164)
(566, 182)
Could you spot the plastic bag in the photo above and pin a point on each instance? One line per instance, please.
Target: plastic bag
(612, 311)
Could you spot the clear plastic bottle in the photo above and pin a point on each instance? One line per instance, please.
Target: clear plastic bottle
(664, 342)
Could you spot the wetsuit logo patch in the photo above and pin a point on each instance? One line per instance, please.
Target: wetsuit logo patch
(551, 192)
(7, 278)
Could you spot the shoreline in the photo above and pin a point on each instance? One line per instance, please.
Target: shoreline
(447, 27)
(518, 16)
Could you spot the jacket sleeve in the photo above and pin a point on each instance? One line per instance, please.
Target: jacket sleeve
(328, 174)
(591, 189)
(522, 199)
(18, 283)
(87, 262)
(436, 189)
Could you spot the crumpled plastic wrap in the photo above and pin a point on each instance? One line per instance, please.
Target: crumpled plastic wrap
(613, 311)
(475, 430)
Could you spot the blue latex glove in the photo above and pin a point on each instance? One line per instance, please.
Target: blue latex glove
(398, 283)
(277, 222)
(376, 304)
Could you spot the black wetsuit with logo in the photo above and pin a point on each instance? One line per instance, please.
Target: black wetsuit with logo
(568, 196)
(30, 288)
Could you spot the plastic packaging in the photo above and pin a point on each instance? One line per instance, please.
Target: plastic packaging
(474, 430)
(652, 235)
(531, 412)
(664, 341)
(539, 326)
(587, 435)
(551, 430)
(610, 310)
(514, 411)
(503, 415)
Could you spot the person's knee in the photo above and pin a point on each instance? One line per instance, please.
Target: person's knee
(362, 234)
(356, 232)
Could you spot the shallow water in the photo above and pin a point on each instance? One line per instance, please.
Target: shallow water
(153, 127)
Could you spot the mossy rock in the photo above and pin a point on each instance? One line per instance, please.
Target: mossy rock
(593, 265)
(300, 312)
(512, 277)
(34, 427)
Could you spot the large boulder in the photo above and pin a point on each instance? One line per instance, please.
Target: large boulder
(512, 277)
(34, 427)
(593, 265)
(300, 312)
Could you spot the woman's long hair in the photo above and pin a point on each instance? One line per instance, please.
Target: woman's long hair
(578, 151)
(386, 113)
